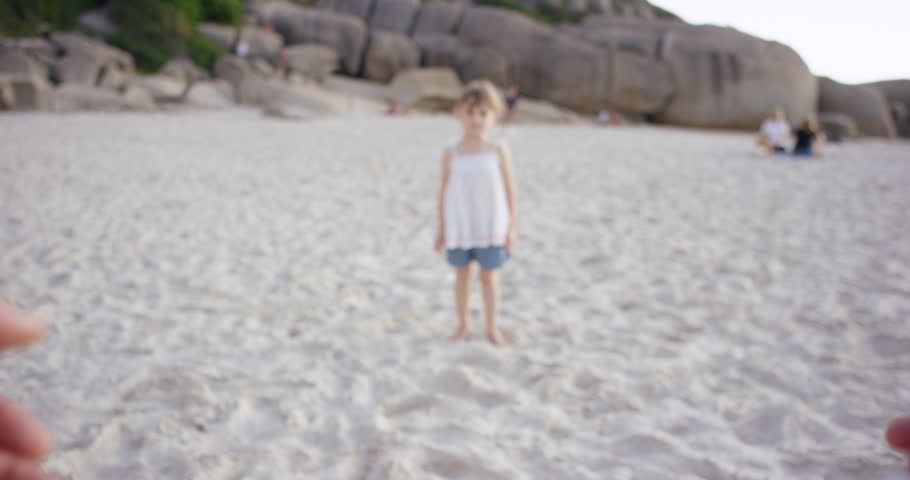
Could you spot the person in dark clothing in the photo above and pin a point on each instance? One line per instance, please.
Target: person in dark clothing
(511, 102)
(809, 139)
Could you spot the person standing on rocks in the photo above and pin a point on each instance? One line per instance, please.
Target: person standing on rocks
(477, 206)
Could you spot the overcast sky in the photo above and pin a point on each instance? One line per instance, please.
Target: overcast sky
(852, 41)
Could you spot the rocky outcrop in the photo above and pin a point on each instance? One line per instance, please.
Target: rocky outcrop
(19, 62)
(865, 105)
(727, 79)
(357, 8)
(91, 63)
(311, 60)
(543, 63)
(639, 84)
(260, 43)
(534, 111)
(388, 54)
(395, 16)
(426, 89)
(71, 98)
(837, 126)
(439, 18)
(897, 93)
(24, 92)
(346, 34)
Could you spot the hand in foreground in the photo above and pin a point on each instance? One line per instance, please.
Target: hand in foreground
(23, 440)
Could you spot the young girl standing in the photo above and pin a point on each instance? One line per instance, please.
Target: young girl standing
(477, 205)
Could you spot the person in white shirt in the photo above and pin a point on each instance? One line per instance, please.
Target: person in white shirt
(775, 132)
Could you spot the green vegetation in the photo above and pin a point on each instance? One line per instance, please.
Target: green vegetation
(547, 13)
(21, 18)
(155, 31)
(558, 14)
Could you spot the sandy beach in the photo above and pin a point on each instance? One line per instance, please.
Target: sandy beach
(233, 297)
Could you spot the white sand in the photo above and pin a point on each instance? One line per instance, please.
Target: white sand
(241, 298)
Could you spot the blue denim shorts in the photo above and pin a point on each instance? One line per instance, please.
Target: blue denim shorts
(489, 258)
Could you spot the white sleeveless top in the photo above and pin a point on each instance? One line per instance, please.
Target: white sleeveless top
(476, 208)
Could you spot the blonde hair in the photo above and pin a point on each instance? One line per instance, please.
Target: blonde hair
(482, 92)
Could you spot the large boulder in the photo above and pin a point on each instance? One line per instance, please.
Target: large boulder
(639, 84)
(394, 15)
(635, 36)
(72, 98)
(439, 18)
(162, 88)
(471, 63)
(358, 88)
(35, 47)
(311, 60)
(19, 62)
(7, 97)
(482, 63)
(728, 79)
(866, 105)
(261, 43)
(438, 49)
(837, 126)
(41, 52)
(184, 71)
(248, 86)
(25, 91)
(91, 63)
(210, 94)
(388, 54)
(897, 92)
(543, 63)
(346, 34)
(534, 111)
(427, 89)
(357, 8)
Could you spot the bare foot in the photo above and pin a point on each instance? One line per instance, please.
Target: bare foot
(495, 337)
(463, 333)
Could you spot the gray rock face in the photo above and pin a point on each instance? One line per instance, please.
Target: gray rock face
(261, 43)
(727, 79)
(837, 125)
(388, 54)
(395, 16)
(91, 63)
(311, 60)
(866, 105)
(346, 34)
(897, 93)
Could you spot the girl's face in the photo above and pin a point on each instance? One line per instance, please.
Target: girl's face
(476, 118)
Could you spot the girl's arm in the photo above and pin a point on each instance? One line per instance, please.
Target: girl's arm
(508, 179)
(441, 229)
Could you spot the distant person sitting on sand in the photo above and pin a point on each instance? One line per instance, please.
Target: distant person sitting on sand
(603, 117)
(512, 98)
(774, 134)
(477, 205)
(23, 441)
(809, 139)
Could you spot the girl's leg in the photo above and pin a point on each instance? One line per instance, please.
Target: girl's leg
(462, 294)
(490, 281)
